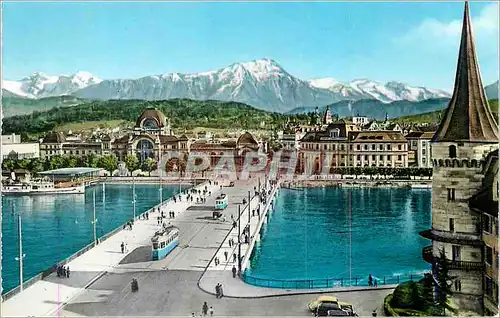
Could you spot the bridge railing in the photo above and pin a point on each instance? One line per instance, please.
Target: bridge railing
(328, 282)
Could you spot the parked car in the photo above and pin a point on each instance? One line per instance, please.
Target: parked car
(347, 308)
(329, 310)
(313, 305)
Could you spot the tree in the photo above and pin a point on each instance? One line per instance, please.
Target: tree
(132, 163)
(428, 292)
(444, 283)
(36, 165)
(56, 162)
(71, 161)
(9, 164)
(149, 165)
(109, 163)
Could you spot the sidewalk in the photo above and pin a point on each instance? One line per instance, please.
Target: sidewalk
(46, 297)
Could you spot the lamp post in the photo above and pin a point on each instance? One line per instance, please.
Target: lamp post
(161, 193)
(239, 239)
(249, 215)
(94, 221)
(134, 196)
(21, 254)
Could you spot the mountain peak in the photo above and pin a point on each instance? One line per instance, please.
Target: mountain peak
(325, 82)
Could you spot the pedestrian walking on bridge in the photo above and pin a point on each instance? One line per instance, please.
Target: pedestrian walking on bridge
(204, 309)
(234, 271)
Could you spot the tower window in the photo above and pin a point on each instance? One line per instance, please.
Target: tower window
(453, 151)
(458, 285)
(451, 194)
(488, 255)
(456, 252)
(452, 225)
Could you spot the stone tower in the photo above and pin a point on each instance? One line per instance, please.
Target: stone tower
(467, 132)
(327, 116)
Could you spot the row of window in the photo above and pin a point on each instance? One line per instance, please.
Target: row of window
(71, 152)
(373, 157)
(165, 243)
(342, 147)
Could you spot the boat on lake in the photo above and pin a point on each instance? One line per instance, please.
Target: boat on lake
(40, 187)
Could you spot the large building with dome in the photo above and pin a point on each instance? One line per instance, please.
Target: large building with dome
(151, 137)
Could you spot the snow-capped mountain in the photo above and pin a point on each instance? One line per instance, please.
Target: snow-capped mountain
(388, 92)
(261, 83)
(39, 85)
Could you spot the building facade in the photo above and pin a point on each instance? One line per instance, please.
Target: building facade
(235, 149)
(13, 148)
(419, 149)
(466, 135)
(342, 144)
(56, 144)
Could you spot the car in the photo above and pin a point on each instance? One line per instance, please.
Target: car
(329, 310)
(347, 308)
(323, 300)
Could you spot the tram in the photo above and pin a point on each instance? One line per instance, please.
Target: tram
(164, 241)
(221, 202)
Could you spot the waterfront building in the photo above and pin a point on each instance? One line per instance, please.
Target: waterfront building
(13, 148)
(419, 149)
(55, 143)
(342, 144)
(151, 137)
(467, 133)
(236, 149)
(485, 202)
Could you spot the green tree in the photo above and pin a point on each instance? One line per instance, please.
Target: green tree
(132, 163)
(444, 281)
(428, 293)
(36, 165)
(71, 161)
(9, 164)
(149, 165)
(109, 163)
(56, 162)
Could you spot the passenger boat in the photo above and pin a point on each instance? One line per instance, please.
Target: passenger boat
(421, 186)
(221, 202)
(39, 187)
(164, 241)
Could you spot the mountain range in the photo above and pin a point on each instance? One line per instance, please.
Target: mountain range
(261, 83)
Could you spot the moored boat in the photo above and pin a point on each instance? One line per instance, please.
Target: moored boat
(40, 187)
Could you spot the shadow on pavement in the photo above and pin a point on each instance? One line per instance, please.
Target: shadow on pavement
(138, 255)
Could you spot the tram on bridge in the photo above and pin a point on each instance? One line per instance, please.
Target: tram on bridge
(164, 241)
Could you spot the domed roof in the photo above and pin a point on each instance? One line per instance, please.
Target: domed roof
(152, 113)
(54, 138)
(246, 139)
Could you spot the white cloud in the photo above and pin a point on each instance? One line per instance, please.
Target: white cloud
(441, 33)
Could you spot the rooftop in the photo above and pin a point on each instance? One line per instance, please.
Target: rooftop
(70, 171)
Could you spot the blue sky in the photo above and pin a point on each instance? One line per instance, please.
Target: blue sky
(414, 42)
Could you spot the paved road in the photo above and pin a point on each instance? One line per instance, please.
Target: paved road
(169, 287)
(175, 293)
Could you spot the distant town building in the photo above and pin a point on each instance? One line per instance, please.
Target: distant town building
(235, 149)
(461, 150)
(151, 137)
(360, 121)
(344, 145)
(55, 143)
(11, 139)
(419, 149)
(13, 148)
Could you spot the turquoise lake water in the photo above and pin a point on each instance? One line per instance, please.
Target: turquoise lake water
(55, 227)
(307, 236)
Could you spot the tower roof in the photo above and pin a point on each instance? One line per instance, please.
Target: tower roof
(468, 116)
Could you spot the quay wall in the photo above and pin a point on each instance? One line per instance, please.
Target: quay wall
(78, 253)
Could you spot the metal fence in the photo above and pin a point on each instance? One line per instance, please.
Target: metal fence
(329, 282)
